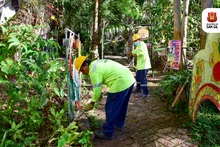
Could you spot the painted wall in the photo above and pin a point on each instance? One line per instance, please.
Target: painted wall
(206, 75)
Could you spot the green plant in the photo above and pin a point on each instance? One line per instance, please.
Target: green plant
(206, 130)
(16, 130)
(95, 122)
(171, 81)
(31, 80)
(56, 117)
(85, 139)
(170, 87)
(70, 136)
(3, 141)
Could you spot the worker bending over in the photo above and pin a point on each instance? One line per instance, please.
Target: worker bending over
(119, 80)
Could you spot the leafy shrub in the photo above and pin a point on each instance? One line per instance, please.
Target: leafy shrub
(206, 130)
(171, 82)
(33, 80)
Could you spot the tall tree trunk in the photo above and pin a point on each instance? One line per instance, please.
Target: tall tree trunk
(95, 28)
(130, 41)
(184, 29)
(184, 22)
(177, 21)
(177, 27)
(203, 35)
(100, 25)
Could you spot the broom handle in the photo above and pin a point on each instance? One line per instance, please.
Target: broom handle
(181, 90)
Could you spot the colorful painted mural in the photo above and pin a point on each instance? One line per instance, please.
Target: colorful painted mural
(206, 75)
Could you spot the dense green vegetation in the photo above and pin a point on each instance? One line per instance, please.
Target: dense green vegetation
(33, 84)
(123, 20)
(33, 91)
(206, 131)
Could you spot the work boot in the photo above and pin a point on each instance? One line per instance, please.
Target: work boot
(101, 135)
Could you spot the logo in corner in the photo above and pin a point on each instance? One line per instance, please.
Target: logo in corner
(210, 20)
(212, 17)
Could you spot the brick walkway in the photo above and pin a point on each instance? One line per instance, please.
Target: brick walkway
(149, 123)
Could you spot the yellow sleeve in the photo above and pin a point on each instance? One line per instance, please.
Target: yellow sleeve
(96, 79)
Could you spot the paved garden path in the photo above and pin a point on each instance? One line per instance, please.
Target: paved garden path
(149, 123)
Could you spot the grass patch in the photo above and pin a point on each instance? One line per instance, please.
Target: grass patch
(206, 131)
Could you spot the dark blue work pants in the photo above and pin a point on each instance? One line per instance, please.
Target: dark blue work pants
(141, 81)
(115, 110)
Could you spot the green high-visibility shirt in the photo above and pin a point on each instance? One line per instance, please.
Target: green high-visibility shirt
(143, 59)
(107, 72)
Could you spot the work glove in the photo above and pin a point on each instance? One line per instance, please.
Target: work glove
(77, 104)
(89, 106)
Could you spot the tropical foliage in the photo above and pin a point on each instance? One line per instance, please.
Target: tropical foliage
(33, 76)
(33, 88)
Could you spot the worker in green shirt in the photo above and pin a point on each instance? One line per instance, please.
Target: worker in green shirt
(143, 64)
(119, 80)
